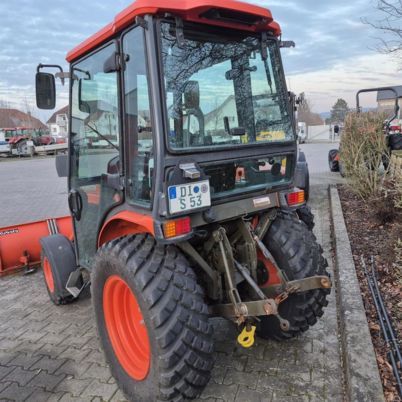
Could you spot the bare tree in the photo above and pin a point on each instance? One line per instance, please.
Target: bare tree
(28, 111)
(390, 24)
(307, 116)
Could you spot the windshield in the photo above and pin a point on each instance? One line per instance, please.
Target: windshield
(223, 90)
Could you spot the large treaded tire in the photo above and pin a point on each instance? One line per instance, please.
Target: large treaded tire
(332, 163)
(305, 215)
(307, 187)
(174, 313)
(395, 142)
(58, 262)
(298, 254)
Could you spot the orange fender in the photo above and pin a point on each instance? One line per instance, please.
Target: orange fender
(124, 223)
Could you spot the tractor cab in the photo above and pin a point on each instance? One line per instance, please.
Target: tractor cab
(186, 190)
(174, 113)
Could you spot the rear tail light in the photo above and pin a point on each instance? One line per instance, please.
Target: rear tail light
(177, 228)
(296, 198)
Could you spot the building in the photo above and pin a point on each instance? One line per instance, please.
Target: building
(214, 121)
(386, 99)
(13, 118)
(58, 123)
(103, 121)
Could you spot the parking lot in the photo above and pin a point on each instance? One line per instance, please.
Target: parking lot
(52, 353)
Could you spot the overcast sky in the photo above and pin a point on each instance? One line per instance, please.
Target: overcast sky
(333, 58)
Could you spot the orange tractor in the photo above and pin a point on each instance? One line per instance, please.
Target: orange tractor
(186, 191)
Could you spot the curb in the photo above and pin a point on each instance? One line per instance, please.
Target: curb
(361, 375)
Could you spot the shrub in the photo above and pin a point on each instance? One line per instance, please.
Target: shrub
(363, 147)
(386, 202)
(397, 193)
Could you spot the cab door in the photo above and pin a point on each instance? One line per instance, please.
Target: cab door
(94, 183)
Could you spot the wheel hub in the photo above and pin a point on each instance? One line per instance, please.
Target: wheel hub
(126, 328)
(47, 270)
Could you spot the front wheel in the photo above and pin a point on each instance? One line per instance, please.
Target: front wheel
(152, 320)
(58, 262)
(299, 256)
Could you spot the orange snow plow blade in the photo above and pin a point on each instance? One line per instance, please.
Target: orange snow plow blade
(19, 244)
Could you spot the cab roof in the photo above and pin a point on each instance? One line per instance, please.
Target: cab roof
(225, 13)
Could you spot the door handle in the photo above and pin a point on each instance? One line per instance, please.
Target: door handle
(75, 204)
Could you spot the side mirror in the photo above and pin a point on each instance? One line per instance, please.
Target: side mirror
(192, 95)
(45, 91)
(301, 100)
(87, 90)
(62, 165)
(287, 44)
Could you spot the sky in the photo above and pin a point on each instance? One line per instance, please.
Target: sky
(334, 56)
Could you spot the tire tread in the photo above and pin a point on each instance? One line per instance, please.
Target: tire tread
(178, 313)
(289, 236)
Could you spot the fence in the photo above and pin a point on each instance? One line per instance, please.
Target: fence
(320, 133)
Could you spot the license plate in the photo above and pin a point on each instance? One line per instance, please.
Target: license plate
(186, 197)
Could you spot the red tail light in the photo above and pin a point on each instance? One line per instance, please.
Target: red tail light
(296, 198)
(177, 228)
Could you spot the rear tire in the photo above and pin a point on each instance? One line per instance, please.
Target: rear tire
(299, 256)
(395, 142)
(307, 188)
(305, 215)
(333, 164)
(22, 148)
(174, 314)
(302, 165)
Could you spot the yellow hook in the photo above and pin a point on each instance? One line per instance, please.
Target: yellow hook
(246, 337)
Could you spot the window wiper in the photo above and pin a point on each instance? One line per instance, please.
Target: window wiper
(269, 78)
(264, 57)
(103, 137)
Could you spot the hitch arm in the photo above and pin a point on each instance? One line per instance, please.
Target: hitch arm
(299, 285)
(233, 294)
(269, 306)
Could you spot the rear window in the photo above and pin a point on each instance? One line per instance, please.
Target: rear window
(242, 176)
